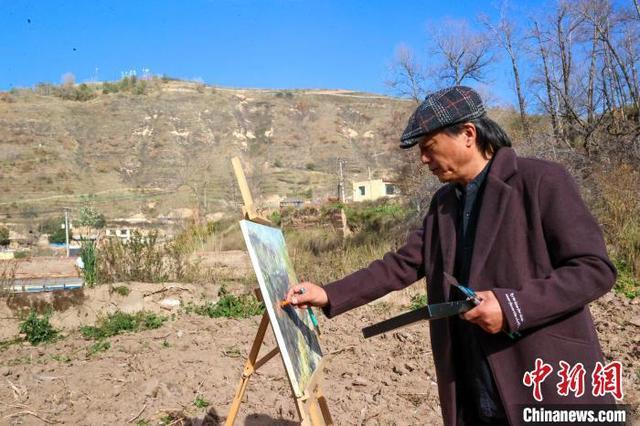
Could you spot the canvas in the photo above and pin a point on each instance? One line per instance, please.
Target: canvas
(292, 327)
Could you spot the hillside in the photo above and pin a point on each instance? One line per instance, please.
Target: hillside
(171, 146)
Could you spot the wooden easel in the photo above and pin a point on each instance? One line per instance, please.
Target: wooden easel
(312, 406)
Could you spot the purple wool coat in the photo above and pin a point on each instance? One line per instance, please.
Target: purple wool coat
(540, 251)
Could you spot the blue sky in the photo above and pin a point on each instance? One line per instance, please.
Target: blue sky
(238, 43)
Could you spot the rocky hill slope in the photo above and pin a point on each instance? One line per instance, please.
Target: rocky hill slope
(171, 146)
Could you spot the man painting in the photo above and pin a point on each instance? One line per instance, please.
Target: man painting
(517, 232)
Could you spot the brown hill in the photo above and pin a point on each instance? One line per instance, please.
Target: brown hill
(171, 146)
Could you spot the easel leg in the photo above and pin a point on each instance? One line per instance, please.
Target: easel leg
(302, 412)
(313, 408)
(249, 368)
(324, 408)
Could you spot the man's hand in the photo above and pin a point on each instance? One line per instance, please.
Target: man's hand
(488, 314)
(307, 294)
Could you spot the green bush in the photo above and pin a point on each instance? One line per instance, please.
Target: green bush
(122, 290)
(626, 283)
(110, 88)
(55, 228)
(71, 92)
(275, 218)
(121, 322)
(59, 236)
(4, 236)
(127, 84)
(418, 301)
(88, 256)
(100, 346)
(89, 216)
(375, 216)
(200, 402)
(229, 306)
(38, 329)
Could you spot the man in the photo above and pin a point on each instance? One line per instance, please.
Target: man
(517, 232)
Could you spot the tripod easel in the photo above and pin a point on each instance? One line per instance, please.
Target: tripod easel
(312, 406)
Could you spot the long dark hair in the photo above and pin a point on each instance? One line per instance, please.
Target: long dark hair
(489, 135)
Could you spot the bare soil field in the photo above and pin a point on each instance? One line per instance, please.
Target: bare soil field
(155, 376)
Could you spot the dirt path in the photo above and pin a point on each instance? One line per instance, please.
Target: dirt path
(76, 196)
(158, 374)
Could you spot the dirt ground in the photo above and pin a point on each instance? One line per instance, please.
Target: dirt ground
(156, 375)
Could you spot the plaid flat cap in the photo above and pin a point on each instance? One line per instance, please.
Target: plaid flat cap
(441, 109)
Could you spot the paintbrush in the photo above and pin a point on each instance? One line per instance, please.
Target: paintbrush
(284, 303)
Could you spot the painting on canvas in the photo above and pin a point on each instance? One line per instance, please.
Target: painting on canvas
(292, 327)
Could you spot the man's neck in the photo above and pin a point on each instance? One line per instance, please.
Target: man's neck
(475, 168)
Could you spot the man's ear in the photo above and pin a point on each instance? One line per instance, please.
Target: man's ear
(469, 131)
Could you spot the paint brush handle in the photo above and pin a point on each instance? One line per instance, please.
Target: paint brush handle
(314, 320)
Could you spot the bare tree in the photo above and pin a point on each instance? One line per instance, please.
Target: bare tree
(550, 104)
(408, 76)
(464, 54)
(598, 13)
(503, 32)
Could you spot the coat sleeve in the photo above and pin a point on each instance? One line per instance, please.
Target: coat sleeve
(581, 270)
(395, 271)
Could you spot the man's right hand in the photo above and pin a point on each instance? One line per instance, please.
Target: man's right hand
(307, 294)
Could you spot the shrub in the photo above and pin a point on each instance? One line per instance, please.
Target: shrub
(127, 84)
(146, 259)
(38, 329)
(4, 236)
(626, 284)
(71, 92)
(200, 402)
(139, 259)
(109, 88)
(88, 256)
(89, 216)
(418, 301)
(375, 216)
(230, 306)
(59, 236)
(7, 274)
(121, 322)
(618, 208)
(275, 218)
(100, 346)
(55, 228)
(122, 290)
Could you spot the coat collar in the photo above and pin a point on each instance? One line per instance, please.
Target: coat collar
(494, 206)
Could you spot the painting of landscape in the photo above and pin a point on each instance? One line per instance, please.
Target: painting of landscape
(292, 327)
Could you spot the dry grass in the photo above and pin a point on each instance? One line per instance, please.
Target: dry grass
(7, 274)
(322, 256)
(618, 209)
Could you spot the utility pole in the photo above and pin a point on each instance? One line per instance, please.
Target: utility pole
(341, 162)
(66, 228)
(343, 217)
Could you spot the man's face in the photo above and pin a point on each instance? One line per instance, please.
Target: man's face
(446, 155)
